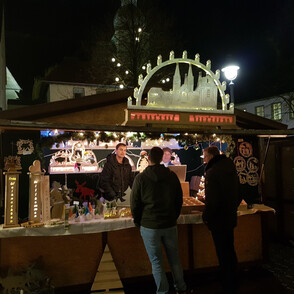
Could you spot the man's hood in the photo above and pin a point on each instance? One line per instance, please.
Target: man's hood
(157, 173)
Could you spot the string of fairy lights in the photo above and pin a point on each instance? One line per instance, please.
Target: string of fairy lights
(185, 140)
(122, 72)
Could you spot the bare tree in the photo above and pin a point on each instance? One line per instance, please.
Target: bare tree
(288, 98)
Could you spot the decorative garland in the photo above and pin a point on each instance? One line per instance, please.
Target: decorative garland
(184, 140)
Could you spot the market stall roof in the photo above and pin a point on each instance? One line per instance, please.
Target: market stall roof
(106, 112)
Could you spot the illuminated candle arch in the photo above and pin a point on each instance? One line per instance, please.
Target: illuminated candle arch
(150, 72)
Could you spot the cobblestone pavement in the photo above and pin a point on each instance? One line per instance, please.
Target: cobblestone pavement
(281, 263)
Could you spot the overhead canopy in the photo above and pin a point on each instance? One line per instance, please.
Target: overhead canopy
(107, 112)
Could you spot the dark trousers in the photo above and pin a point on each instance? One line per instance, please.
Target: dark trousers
(224, 246)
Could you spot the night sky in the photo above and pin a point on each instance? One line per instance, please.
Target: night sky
(257, 35)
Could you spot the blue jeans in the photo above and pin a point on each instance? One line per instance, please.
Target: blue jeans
(153, 240)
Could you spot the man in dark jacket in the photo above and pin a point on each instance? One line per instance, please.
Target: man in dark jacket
(156, 202)
(220, 215)
(116, 175)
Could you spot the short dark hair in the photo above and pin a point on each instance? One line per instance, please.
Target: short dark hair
(155, 155)
(167, 149)
(120, 144)
(212, 150)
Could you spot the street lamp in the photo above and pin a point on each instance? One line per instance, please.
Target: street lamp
(231, 73)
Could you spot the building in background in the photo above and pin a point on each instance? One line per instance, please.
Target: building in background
(57, 91)
(279, 108)
(12, 87)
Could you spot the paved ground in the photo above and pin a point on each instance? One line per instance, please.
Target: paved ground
(281, 263)
(276, 276)
(253, 281)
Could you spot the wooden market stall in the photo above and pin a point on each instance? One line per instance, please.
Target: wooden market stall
(70, 257)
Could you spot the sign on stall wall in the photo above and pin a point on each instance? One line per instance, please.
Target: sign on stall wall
(247, 166)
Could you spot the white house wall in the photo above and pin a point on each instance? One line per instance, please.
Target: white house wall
(59, 92)
(267, 103)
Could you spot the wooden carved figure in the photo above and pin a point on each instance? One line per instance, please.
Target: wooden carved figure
(85, 192)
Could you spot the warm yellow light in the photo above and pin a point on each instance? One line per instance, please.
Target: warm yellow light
(89, 168)
(129, 134)
(116, 79)
(113, 59)
(139, 30)
(118, 64)
(121, 86)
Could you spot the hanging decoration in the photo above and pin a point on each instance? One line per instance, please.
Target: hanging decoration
(183, 139)
(247, 165)
(25, 147)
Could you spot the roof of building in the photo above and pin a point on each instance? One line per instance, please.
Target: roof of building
(116, 102)
(12, 87)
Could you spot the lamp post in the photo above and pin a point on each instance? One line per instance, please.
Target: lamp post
(231, 73)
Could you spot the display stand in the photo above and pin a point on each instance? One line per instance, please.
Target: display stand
(35, 175)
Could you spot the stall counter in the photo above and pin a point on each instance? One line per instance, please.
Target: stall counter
(71, 257)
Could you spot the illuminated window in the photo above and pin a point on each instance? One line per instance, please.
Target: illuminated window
(292, 109)
(78, 92)
(277, 111)
(259, 110)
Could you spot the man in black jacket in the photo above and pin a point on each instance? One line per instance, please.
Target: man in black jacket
(116, 175)
(156, 202)
(220, 215)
